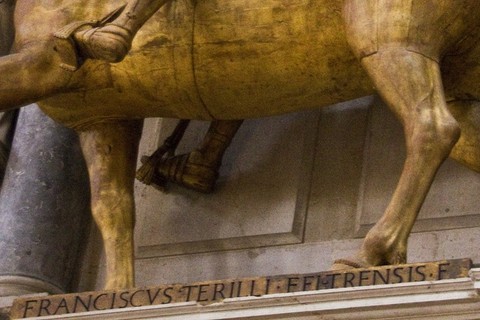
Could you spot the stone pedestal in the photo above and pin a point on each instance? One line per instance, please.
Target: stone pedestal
(44, 204)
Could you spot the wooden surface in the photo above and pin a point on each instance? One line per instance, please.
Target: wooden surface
(209, 292)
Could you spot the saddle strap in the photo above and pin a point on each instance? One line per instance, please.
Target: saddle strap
(68, 30)
(111, 16)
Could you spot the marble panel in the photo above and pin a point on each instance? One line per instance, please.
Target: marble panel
(260, 197)
(452, 202)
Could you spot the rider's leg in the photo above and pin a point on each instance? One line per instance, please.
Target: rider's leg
(216, 141)
(113, 41)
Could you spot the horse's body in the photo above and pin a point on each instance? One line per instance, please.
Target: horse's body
(222, 59)
(219, 59)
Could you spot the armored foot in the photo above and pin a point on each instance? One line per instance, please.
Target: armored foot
(146, 173)
(197, 170)
(110, 38)
(110, 43)
(188, 170)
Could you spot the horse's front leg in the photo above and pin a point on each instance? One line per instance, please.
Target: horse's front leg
(31, 74)
(410, 83)
(110, 150)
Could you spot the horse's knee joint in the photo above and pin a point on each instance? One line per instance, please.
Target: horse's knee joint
(114, 211)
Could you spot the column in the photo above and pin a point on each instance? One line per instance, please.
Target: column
(44, 204)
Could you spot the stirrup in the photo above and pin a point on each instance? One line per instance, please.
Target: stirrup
(146, 173)
(183, 171)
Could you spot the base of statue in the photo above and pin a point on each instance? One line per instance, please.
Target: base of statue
(415, 291)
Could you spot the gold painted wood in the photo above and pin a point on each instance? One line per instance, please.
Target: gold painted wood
(202, 61)
(224, 60)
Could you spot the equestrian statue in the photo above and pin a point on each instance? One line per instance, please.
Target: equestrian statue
(101, 69)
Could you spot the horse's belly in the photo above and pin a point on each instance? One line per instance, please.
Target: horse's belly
(259, 58)
(232, 59)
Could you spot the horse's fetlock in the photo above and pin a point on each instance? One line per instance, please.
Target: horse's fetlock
(398, 256)
(382, 246)
(377, 243)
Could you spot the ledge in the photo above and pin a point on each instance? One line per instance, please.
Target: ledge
(443, 299)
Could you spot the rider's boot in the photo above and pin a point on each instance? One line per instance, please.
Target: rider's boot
(112, 41)
(198, 170)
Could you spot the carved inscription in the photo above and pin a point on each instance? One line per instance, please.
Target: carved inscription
(207, 292)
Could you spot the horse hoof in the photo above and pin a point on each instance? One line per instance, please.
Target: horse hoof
(184, 171)
(342, 264)
(110, 43)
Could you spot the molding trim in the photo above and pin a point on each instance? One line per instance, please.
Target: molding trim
(445, 299)
(23, 285)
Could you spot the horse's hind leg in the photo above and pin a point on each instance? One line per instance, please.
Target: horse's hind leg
(110, 150)
(411, 85)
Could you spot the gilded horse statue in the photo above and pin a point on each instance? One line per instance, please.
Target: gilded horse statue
(223, 60)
